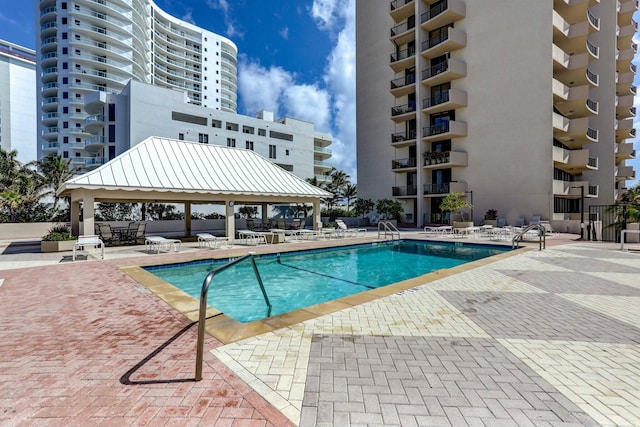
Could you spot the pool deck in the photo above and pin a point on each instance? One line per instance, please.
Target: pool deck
(535, 338)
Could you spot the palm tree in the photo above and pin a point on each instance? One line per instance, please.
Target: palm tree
(56, 171)
(339, 180)
(350, 193)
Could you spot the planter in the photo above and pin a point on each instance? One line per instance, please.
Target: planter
(493, 222)
(462, 224)
(57, 246)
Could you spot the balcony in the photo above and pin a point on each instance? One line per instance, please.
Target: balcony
(321, 152)
(401, 165)
(403, 33)
(50, 119)
(404, 112)
(443, 14)
(625, 173)
(401, 9)
(593, 20)
(403, 85)
(454, 39)
(50, 133)
(624, 129)
(442, 131)
(94, 143)
(319, 164)
(50, 147)
(444, 72)
(94, 122)
(323, 178)
(403, 139)
(50, 104)
(573, 161)
(402, 59)
(573, 133)
(624, 81)
(87, 162)
(624, 151)
(445, 159)
(444, 188)
(625, 11)
(406, 191)
(624, 107)
(444, 101)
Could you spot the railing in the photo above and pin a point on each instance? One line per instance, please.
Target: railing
(436, 157)
(442, 188)
(403, 81)
(593, 162)
(437, 100)
(399, 3)
(409, 190)
(202, 318)
(402, 54)
(435, 70)
(435, 129)
(403, 163)
(592, 134)
(592, 77)
(542, 236)
(387, 227)
(595, 22)
(592, 105)
(404, 27)
(433, 12)
(593, 49)
(435, 41)
(403, 136)
(403, 109)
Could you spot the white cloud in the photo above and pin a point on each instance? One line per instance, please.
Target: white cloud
(331, 108)
(231, 28)
(285, 33)
(188, 17)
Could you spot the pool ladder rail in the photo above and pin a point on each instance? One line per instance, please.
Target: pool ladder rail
(202, 318)
(542, 233)
(386, 228)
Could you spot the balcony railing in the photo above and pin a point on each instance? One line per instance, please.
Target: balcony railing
(403, 136)
(595, 22)
(593, 49)
(436, 100)
(403, 81)
(403, 163)
(399, 3)
(592, 77)
(592, 134)
(593, 162)
(403, 109)
(402, 54)
(402, 28)
(409, 190)
(436, 157)
(433, 12)
(442, 188)
(434, 41)
(435, 129)
(592, 105)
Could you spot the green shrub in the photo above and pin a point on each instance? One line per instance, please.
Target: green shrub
(58, 233)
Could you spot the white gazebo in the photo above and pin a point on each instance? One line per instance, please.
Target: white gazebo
(166, 170)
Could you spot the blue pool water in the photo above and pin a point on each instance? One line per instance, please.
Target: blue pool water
(304, 278)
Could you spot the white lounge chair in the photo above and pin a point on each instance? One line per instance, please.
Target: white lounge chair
(158, 242)
(343, 229)
(249, 237)
(84, 242)
(207, 239)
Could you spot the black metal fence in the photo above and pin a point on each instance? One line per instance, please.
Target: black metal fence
(606, 222)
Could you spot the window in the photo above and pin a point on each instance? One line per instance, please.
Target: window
(65, 95)
(203, 138)
(262, 132)
(232, 126)
(65, 66)
(231, 142)
(65, 80)
(112, 133)
(216, 123)
(65, 110)
(286, 152)
(65, 154)
(248, 145)
(64, 36)
(272, 151)
(64, 21)
(65, 50)
(112, 112)
(64, 5)
(65, 139)
(181, 136)
(65, 125)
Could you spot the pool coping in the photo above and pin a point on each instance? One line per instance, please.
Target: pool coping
(228, 330)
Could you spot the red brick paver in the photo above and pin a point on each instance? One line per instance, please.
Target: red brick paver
(84, 344)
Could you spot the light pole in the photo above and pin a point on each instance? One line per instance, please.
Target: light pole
(581, 211)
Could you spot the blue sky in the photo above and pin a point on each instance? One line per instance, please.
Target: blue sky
(296, 58)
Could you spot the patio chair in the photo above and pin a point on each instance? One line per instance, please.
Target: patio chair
(295, 224)
(501, 222)
(106, 234)
(129, 235)
(535, 219)
(139, 236)
(344, 229)
(207, 239)
(85, 242)
(519, 221)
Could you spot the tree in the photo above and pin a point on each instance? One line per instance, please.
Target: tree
(56, 171)
(363, 206)
(339, 181)
(248, 211)
(389, 208)
(455, 203)
(350, 192)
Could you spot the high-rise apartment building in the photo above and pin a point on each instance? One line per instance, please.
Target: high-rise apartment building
(18, 100)
(99, 45)
(526, 107)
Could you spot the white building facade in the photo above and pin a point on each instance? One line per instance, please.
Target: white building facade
(18, 120)
(100, 45)
(121, 121)
(526, 107)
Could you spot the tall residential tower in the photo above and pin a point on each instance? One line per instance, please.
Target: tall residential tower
(526, 107)
(99, 45)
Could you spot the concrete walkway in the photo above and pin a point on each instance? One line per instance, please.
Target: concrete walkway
(539, 338)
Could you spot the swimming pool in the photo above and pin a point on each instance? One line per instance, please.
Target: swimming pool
(303, 278)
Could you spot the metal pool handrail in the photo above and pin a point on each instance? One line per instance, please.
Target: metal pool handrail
(203, 305)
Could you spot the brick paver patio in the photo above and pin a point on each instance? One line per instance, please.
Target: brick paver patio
(540, 338)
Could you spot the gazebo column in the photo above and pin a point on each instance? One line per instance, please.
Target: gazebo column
(75, 217)
(230, 221)
(187, 218)
(88, 219)
(316, 215)
(265, 212)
